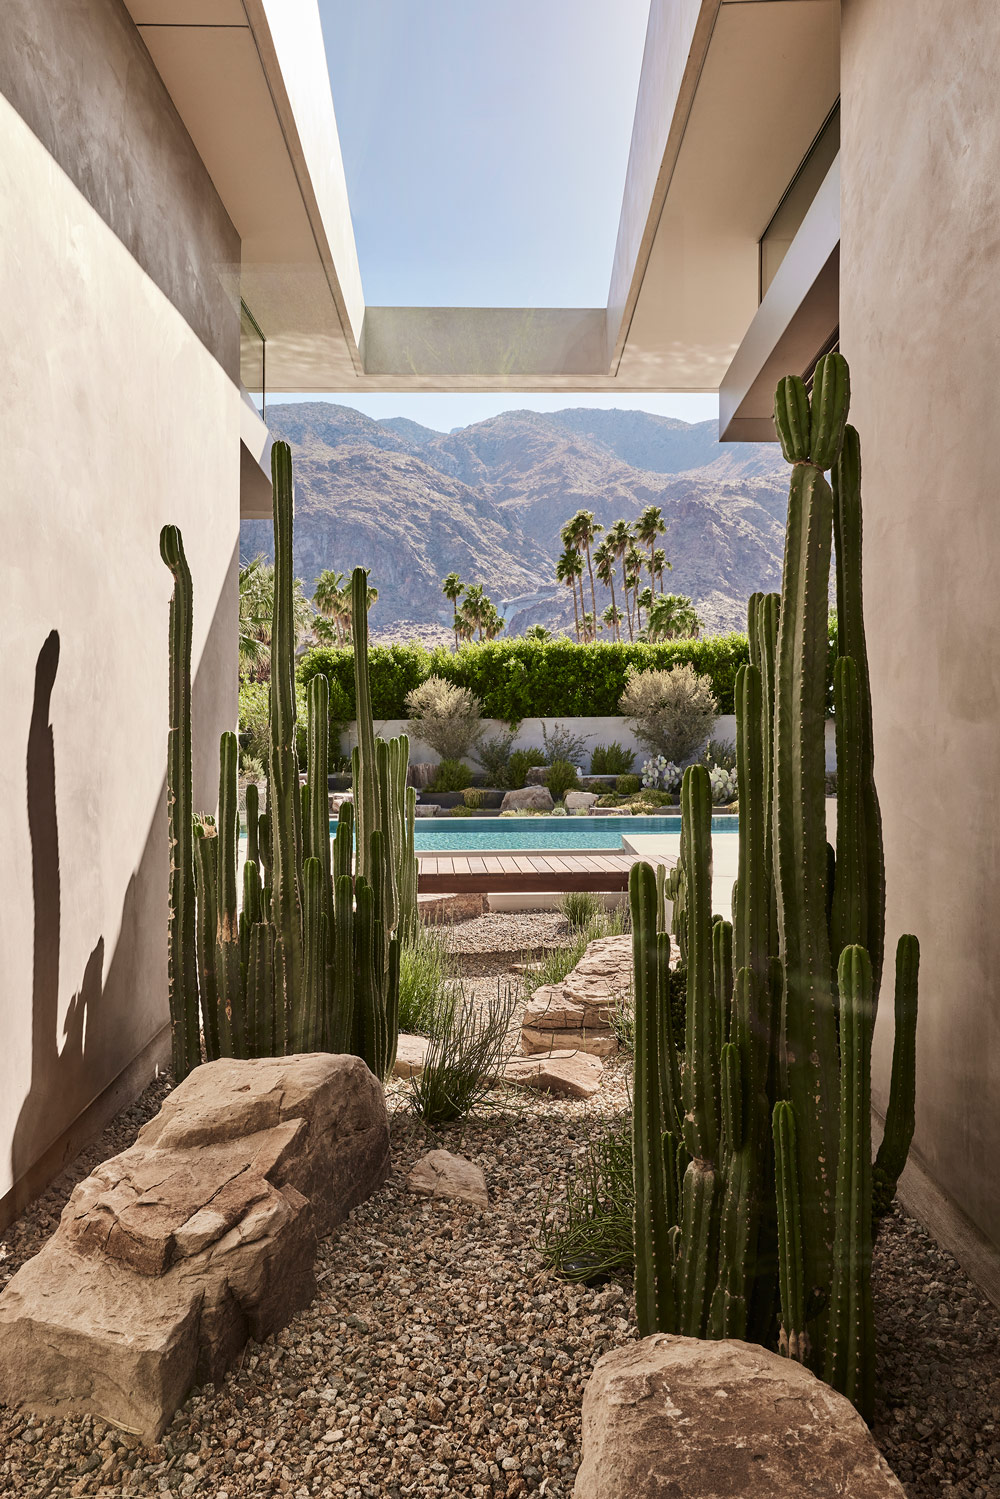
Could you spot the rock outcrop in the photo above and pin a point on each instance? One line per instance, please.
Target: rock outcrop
(576, 1014)
(697, 1419)
(171, 1255)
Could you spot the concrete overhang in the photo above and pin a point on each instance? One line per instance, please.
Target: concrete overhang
(797, 319)
(255, 463)
(731, 95)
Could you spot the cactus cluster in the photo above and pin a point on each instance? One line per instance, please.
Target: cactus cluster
(757, 1200)
(660, 774)
(723, 784)
(310, 961)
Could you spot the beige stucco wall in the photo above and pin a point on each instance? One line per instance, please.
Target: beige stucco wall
(921, 328)
(117, 416)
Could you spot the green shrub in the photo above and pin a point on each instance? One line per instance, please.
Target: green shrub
(425, 992)
(628, 785)
(591, 1235)
(517, 679)
(611, 760)
(444, 716)
(473, 796)
(672, 711)
(466, 1057)
(521, 761)
(650, 797)
(562, 744)
(580, 908)
(561, 777)
(554, 965)
(609, 800)
(452, 775)
(719, 754)
(494, 756)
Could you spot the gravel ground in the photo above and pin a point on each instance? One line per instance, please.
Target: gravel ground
(489, 945)
(441, 1358)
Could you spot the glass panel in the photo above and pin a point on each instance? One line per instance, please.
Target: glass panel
(252, 368)
(794, 205)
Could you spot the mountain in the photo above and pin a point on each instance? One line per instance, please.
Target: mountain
(487, 501)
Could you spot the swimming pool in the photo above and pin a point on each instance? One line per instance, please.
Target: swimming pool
(470, 834)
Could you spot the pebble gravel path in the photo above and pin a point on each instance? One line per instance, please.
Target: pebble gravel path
(440, 1358)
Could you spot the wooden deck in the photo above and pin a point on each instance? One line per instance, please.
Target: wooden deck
(553, 870)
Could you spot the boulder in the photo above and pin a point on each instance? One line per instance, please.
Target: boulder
(571, 1074)
(577, 799)
(576, 1014)
(597, 1043)
(528, 799)
(421, 774)
(411, 1052)
(441, 1174)
(168, 1257)
(700, 1419)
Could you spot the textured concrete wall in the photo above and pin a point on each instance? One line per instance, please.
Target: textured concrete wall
(118, 415)
(921, 327)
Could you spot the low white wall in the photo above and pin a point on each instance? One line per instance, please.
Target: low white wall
(593, 731)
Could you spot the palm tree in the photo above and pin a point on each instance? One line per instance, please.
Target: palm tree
(604, 561)
(477, 607)
(582, 530)
(589, 626)
(537, 632)
(620, 537)
(256, 611)
(643, 601)
(453, 588)
(659, 563)
(648, 527)
(612, 617)
(493, 622)
(672, 616)
(328, 598)
(569, 567)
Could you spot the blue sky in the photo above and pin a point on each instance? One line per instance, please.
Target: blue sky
(485, 147)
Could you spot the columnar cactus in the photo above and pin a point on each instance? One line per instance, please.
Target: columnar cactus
(771, 1201)
(312, 961)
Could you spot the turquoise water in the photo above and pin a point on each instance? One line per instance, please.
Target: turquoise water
(469, 834)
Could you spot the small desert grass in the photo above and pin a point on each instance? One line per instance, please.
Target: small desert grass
(557, 962)
(590, 1236)
(580, 908)
(466, 1056)
(425, 983)
(622, 1021)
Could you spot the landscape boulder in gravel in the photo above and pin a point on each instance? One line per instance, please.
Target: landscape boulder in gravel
(411, 1054)
(441, 1174)
(698, 1419)
(171, 1255)
(568, 1074)
(528, 798)
(576, 1014)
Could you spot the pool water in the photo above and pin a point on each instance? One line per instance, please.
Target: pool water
(469, 834)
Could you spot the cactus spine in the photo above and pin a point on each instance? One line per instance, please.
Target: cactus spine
(310, 962)
(770, 1203)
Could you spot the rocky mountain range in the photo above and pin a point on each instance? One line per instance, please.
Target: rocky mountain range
(487, 501)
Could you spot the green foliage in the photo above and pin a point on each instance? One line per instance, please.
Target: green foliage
(672, 711)
(590, 1235)
(466, 1056)
(557, 962)
(581, 909)
(494, 757)
(611, 760)
(444, 716)
(425, 983)
(520, 762)
(719, 754)
(452, 775)
(628, 785)
(561, 777)
(562, 744)
(473, 796)
(517, 679)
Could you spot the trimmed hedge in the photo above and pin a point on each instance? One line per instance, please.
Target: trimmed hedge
(517, 679)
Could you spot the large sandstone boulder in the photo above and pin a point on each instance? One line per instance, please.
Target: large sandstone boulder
(576, 1014)
(528, 799)
(201, 1235)
(567, 1074)
(694, 1419)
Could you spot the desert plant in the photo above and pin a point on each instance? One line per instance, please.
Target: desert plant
(466, 1056)
(521, 761)
(719, 754)
(627, 785)
(473, 796)
(561, 777)
(672, 711)
(590, 1235)
(562, 744)
(494, 757)
(661, 774)
(759, 1133)
(580, 908)
(555, 963)
(723, 785)
(611, 760)
(425, 983)
(451, 775)
(446, 717)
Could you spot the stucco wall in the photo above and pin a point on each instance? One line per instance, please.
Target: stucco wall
(920, 325)
(117, 417)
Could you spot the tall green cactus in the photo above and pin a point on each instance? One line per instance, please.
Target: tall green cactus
(765, 1216)
(310, 962)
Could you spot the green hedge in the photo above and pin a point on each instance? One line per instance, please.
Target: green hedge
(516, 679)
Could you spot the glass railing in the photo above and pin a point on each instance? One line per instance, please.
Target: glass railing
(253, 364)
(799, 194)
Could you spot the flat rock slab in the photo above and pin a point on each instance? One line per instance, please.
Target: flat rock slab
(571, 1074)
(171, 1255)
(595, 1042)
(695, 1419)
(411, 1053)
(576, 1014)
(441, 1174)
